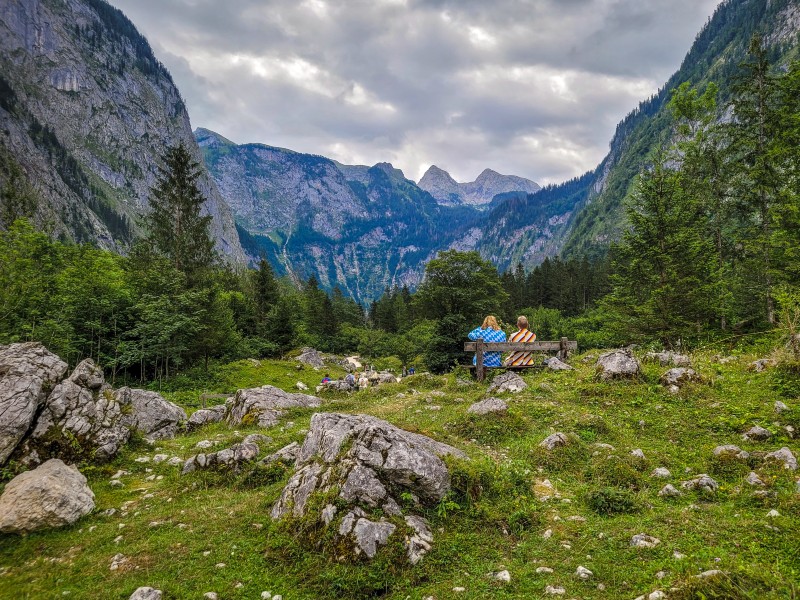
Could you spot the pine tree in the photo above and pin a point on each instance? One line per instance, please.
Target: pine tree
(176, 228)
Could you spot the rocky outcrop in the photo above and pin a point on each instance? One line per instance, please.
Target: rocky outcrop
(27, 374)
(372, 464)
(680, 376)
(81, 418)
(617, 364)
(206, 416)
(52, 495)
(490, 405)
(507, 382)
(228, 459)
(783, 456)
(265, 405)
(311, 357)
(150, 414)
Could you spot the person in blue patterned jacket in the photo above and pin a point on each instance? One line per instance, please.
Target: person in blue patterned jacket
(488, 332)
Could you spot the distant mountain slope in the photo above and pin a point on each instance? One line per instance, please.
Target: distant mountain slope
(86, 111)
(717, 51)
(480, 192)
(360, 228)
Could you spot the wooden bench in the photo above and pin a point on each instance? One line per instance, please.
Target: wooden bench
(563, 347)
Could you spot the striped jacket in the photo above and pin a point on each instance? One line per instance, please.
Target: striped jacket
(490, 359)
(516, 359)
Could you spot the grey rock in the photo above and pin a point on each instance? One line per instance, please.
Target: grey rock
(642, 540)
(754, 480)
(28, 372)
(146, 593)
(680, 376)
(258, 439)
(78, 421)
(780, 407)
(730, 451)
(229, 459)
(555, 364)
(419, 542)
(669, 491)
(757, 433)
(617, 364)
(311, 357)
(761, 364)
(638, 453)
(368, 535)
(661, 473)
(507, 382)
(52, 495)
(583, 573)
(204, 444)
(701, 483)
(287, 454)
(785, 456)
(669, 358)
(554, 440)
(265, 405)
(206, 416)
(503, 576)
(151, 414)
(490, 405)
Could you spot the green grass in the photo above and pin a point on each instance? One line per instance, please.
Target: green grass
(492, 520)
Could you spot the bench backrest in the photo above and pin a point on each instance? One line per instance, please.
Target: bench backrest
(562, 346)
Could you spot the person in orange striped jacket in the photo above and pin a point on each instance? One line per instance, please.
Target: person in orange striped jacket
(516, 359)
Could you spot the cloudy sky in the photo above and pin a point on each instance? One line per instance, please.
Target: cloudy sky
(525, 87)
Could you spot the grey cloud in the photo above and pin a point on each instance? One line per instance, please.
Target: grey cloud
(422, 81)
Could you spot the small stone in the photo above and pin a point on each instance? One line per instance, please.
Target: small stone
(118, 539)
(266, 595)
(773, 513)
(277, 597)
(701, 482)
(211, 596)
(637, 453)
(678, 556)
(117, 561)
(754, 480)
(116, 483)
(730, 451)
(459, 589)
(554, 441)
(785, 456)
(661, 575)
(490, 405)
(601, 587)
(502, 576)
(301, 386)
(547, 534)
(204, 444)
(780, 407)
(709, 574)
(159, 458)
(555, 590)
(146, 593)
(670, 491)
(544, 570)
(583, 573)
(757, 433)
(661, 473)
(206, 552)
(175, 462)
(642, 540)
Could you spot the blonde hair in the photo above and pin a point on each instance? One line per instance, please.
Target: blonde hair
(522, 322)
(490, 321)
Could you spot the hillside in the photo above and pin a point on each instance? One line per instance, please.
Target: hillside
(515, 507)
(86, 111)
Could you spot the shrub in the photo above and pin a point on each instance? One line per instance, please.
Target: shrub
(611, 501)
(491, 428)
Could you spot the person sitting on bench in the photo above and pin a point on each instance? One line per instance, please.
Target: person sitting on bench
(521, 359)
(488, 332)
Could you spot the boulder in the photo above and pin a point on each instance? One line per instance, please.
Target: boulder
(490, 405)
(669, 491)
(52, 495)
(372, 464)
(28, 372)
(785, 456)
(336, 386)
(206, 416)
(554, 440)
(265, 405)
(507, 382)
(729, 451)
(311, 357)
(228, 459)
(761, 364)
(701, 483)
(757, 434)
(642, 540)
(151, 414)
(680, 376)
(287, 454)
(667, 358)
(146, 593)
(81, 418)
(351, 364)
(555, 364)
(617, 364)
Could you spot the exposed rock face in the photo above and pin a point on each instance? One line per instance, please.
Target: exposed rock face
(311, 357)
(206, 416)
(151, 414)
(680, 376)
(91, 79)
(507, 382)
(617, 364)
(265, 405)
(52, 495)
(371, 462)
(27, 374)
(81, 417)
(667, 358)
(287, 454)
(230, 458)
(489, 183)
(490, 405)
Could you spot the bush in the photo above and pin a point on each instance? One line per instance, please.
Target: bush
(611, 501)
(491, 428)
(613, 470)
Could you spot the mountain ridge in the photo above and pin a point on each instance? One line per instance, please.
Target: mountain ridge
(480, 192)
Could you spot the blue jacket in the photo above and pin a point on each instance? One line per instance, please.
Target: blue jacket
(490, 359)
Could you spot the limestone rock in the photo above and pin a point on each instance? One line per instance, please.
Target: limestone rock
(554, 440)
(680, 376)
(146, 593)
(151, 414)
(28, 372)
(206, 416)
(661, 473)
(785, 456)
(669, 491)
(667, 358)
(507, 382)
(52, 495)
(80, 418)
(287, 454)
(730, 451)
(555, 364)
(311, 357)
(754, 480)
(757, 433)
(265, 405)
(780, 407)
(642, 540)
(583, 573)
(490, 405)
(761, 364)
(229, 458)
(502, 576)
(371, 463)
(701, 483)
(301, 386)
(617, 364)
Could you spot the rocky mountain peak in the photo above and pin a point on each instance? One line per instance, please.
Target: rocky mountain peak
(210, 139)
(441, 185)
(390, 170)
(447, 191)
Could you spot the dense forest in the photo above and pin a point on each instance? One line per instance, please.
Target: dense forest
(711, 254)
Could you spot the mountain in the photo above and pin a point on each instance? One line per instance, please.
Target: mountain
(86, 111)
(356, 227)
(480, 192)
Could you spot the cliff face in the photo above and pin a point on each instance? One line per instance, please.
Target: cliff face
(86, 111)
(480, 192)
